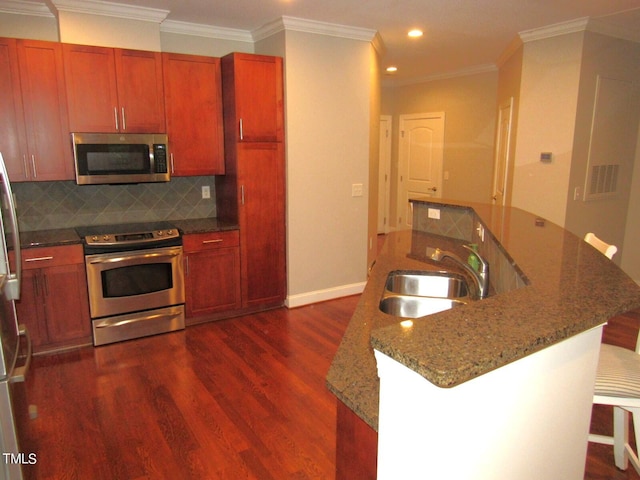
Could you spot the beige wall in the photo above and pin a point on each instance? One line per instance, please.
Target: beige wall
(85, 29)
(374, 152)
(469, 103)
(546, 122)
(200, 45)
(29, 26)
(616, 59)
(329, 91)
(554, 94)
(630, 261)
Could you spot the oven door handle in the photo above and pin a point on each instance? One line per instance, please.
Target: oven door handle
(118, 323)
(129, 259)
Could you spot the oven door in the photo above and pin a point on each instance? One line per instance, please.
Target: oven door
(127, 282)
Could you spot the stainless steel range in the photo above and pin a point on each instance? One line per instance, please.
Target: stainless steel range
(136, 280)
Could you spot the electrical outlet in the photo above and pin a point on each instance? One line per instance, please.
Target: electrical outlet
(206, 191)
(356, 190)
(433, 213)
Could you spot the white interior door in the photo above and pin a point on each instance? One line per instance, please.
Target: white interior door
(501, 165)
(420, 160)
(384, 174)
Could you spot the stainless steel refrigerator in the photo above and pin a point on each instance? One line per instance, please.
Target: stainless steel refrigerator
(13, 362)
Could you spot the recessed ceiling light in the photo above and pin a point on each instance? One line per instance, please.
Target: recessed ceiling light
(415, 33)
(392, 69)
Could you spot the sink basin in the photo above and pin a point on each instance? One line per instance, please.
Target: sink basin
(415, 307)
(427, 284)
(416, 293)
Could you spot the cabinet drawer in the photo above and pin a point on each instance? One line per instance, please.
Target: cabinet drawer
(197, 242)
(51, 256)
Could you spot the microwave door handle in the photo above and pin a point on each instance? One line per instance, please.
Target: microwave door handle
(12, 285)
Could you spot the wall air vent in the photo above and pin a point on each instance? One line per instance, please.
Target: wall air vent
(604, 180)
(612, 140)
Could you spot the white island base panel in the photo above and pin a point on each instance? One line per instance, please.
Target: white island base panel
(527, 420)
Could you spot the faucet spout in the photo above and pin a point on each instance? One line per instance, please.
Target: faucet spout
(480, 277)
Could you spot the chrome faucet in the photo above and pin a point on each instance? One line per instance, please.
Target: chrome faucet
(480, 278)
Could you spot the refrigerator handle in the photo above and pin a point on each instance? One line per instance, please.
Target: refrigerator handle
(12, 284)
(20, 373)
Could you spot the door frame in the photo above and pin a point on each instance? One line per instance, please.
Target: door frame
(401, 201)
(507, 154)
(384, 173)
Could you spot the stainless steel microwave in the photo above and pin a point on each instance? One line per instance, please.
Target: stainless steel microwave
(106, 158)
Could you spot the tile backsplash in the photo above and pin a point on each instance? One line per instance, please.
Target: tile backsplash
(51, 205)
(458, 223)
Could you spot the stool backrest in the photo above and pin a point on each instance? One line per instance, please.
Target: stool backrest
(605, 248)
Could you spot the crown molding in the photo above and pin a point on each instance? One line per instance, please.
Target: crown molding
(580, 25)
(294, 24)
(109, 9)
(208, 31)
(573, 26)
(475, 70)
(20, 7)
(378, 44)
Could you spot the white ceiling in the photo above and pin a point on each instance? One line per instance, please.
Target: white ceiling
(460, 35)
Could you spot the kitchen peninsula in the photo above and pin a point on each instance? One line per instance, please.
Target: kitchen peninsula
(486, 371)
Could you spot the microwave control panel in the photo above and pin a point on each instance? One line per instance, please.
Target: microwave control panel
(160, 157)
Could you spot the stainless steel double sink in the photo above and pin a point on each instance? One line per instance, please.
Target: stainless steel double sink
(416, 293)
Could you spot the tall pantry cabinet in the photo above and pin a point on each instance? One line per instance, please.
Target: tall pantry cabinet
(252, 192)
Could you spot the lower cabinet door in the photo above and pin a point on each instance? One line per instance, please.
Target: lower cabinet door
(213, 281)
(30, 310)
(66, 291)
(54, 303)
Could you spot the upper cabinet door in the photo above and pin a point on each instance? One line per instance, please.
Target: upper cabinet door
(13, 143)
(254, 96)
(35, 141)
(140, 91)
(45, 110)
(114, 90)
(92, 93)
(193, 95)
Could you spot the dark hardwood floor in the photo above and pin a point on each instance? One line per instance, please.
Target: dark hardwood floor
(239, 398)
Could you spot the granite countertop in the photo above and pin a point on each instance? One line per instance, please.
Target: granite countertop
(49, 238)
(571, 287)
(68, 236)
(203, 225)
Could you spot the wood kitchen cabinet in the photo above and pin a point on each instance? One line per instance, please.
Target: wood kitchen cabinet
(54, 303)
(252, 192)
(33, 113)
(253, 91)
(114, 90)
(212, 272)
(193, 96)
